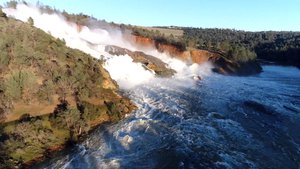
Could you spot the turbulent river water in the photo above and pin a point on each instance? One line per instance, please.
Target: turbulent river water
(218, 122)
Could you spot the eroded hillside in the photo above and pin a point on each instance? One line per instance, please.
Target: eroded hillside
(49, 94)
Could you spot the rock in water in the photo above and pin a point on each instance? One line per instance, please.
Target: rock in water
(197, 77)
(149, 62)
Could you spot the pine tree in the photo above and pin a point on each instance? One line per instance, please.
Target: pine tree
(30, 21)
(2, 14)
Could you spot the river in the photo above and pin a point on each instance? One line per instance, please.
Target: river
(218, 122)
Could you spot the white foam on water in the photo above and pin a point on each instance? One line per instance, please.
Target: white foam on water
(131, 75)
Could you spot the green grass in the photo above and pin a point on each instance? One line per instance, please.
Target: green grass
(27, 154)
(35, 51)
(166, 31)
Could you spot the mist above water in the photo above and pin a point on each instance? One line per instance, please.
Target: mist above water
(208, 124)
(127, 73)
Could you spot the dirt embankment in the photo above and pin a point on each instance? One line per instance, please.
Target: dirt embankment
(194, 56)
(221, 63)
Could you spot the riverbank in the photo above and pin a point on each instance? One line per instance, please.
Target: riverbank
(46, 135)
(50, 94)
(203, 124)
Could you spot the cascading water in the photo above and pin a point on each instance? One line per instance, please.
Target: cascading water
(218, 122)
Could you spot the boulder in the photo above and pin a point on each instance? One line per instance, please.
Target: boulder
(149, 62)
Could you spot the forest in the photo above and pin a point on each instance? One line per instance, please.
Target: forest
(280, 47)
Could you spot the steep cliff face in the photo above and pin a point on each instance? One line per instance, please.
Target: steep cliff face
(193, 56)
(142, 41)
(221, 63)
(201, 56)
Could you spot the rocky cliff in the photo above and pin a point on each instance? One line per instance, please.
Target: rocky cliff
(149, 62)
(221, 63)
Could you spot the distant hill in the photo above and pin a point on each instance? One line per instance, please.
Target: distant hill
(280, 47)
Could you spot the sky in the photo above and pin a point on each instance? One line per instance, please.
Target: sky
(250, 15)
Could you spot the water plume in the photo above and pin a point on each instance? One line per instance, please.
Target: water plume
(93, 41)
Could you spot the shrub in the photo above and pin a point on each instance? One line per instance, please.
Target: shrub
(19, 82)
(4, 57)
(69, 119)
(25, 117)
(30, 21)
(46, 90)
(11, 4)
(91, 112)
(2, 14)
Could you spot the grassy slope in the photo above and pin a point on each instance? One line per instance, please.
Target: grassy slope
(56, 71)
(177, 33)
(39, 75)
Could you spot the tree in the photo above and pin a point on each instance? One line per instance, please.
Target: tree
(71, 120)
(19, 82)
(11, 4)
(2, 14)
(2, 116)
(46, 90)
(4, 57)
(225, 46)
(5, 103)
(30, 21)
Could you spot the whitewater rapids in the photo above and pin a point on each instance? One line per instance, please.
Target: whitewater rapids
(206, 124)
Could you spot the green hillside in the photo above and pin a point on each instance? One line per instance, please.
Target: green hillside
(49, 94)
